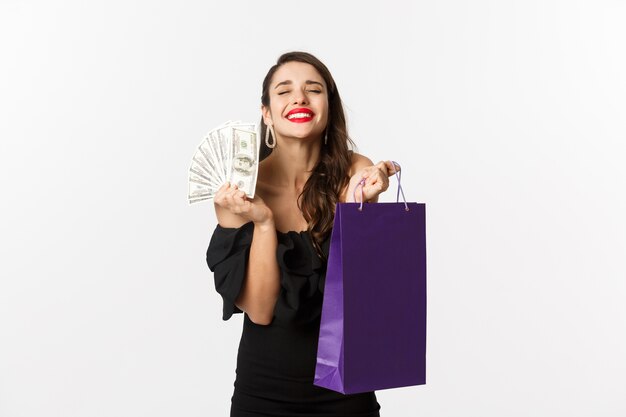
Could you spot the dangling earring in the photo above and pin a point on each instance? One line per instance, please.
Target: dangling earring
(326, 137)
(269, 131)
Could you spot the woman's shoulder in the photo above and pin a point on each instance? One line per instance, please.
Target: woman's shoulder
(358, 162)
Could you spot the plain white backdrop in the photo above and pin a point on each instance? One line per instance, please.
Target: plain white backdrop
(508, 118)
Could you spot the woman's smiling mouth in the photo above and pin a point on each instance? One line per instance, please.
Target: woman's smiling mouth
(300, 115)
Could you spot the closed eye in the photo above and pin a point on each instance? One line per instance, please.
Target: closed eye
(309, 91)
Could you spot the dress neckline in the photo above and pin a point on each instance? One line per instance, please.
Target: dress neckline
(251, 224)
(292, 231)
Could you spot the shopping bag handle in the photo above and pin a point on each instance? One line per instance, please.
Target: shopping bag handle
(400, 190)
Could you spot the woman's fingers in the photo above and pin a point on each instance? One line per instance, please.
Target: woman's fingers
(382, 182)
(230, 196)
(240, 205)
(228, 200)
(388, 167)
(382, 166)
(393, 167)
(220, 194)
(376, 181)
(237, 200)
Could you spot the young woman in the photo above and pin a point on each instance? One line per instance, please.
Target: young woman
(269, 253)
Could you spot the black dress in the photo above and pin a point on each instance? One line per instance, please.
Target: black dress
(276, 362)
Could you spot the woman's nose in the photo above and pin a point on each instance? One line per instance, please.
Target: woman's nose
(299, 98)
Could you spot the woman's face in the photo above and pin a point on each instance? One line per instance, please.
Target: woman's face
(298, 101)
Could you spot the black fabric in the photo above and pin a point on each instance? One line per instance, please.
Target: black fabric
(276, 362)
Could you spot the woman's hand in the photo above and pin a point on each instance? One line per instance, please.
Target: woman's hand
(376, 181)
(230, 197)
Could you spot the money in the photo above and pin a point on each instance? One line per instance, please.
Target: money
(229, 152)
(244, 161)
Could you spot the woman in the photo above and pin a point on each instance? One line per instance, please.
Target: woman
(269, 253)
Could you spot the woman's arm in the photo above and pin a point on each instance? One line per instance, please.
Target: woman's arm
(261, 287)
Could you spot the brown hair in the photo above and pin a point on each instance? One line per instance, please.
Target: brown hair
(330, 174)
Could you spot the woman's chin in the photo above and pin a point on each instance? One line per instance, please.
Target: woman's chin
(301, 135)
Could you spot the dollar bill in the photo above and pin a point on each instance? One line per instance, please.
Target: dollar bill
(207, 160)
(200, 177)
(227, 153)
(227, 134)
(244, 161)
(198, 188)
(217, 154)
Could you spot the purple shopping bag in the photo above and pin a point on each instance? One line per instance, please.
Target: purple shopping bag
(373, 325)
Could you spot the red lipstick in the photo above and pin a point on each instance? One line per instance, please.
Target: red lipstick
(300, 115)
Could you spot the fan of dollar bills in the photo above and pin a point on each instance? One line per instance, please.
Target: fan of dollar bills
(230, 153)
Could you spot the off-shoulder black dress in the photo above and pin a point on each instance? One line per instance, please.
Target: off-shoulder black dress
(276, 362)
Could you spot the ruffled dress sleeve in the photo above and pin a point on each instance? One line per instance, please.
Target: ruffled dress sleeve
(227, 257)
(302, 272)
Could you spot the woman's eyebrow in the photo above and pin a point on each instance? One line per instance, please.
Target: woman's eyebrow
(282, 83)
(314, 82)
(289, 82)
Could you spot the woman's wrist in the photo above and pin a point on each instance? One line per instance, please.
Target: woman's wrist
(265, 225)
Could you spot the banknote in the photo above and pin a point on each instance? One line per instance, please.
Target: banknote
(229, 152)
(227, 131)
(200, 187)
(205, 160)
(244, 160)
(223, 138)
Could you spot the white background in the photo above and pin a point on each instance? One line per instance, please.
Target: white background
(507, 118)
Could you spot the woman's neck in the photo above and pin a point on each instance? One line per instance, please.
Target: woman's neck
(292, 161)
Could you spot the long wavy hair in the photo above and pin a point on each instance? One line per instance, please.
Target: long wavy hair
(330, 174)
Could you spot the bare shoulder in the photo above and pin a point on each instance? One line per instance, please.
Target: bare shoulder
(358, 162)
